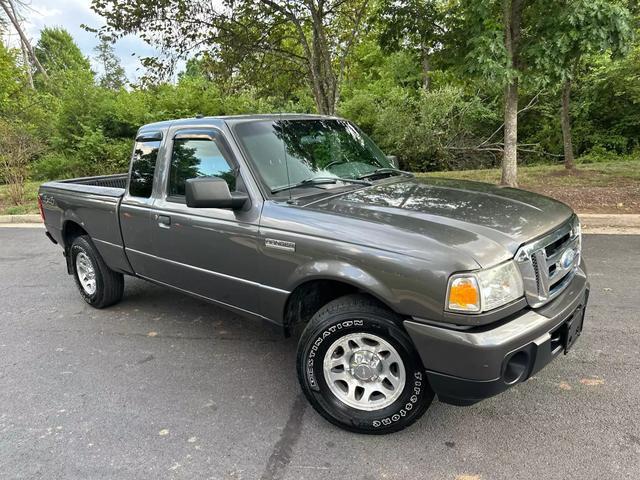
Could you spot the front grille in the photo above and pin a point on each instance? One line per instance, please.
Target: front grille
(547, 265)
(558, 245)
(536, 271)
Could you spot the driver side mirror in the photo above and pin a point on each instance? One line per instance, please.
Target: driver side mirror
(394, 161)
(213, 192)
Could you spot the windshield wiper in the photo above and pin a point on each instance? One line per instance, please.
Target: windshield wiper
(384, 171)
(319, 181)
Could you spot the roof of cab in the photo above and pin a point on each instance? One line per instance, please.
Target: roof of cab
(195, 121)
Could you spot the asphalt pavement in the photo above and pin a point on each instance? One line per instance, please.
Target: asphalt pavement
(166, 386)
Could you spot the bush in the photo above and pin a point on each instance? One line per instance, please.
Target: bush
(91, 158)
(54, 166)
(601, 155)
(17, 149)
(434, 130)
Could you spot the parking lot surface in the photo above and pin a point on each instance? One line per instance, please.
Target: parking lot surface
(166, 386)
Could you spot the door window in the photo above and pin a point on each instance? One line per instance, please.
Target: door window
(193, 158)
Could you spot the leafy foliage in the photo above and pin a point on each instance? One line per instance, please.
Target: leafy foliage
(57, 51)
(365, 60)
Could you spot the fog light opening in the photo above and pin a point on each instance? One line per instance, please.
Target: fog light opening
(516, 367)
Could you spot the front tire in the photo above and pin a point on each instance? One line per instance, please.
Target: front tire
(359, 369)
(99, 286)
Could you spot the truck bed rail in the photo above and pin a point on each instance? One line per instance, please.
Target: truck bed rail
(113, 181)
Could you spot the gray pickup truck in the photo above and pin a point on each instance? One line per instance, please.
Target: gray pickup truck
(402, 287)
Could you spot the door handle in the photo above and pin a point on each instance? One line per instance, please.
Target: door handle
(164, 221)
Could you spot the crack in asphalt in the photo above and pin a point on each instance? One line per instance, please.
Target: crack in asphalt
(283, 449)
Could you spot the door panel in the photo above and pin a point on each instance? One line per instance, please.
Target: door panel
(211, 256)
(207, 251)
(135, 222)
(136, 206)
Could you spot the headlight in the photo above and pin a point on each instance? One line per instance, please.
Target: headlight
(485, 289)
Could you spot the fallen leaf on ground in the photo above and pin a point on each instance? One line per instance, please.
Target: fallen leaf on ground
(592, 382)
(152, 334)
(564, 386)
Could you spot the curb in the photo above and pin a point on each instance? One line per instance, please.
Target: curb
(33, 218)
(613, 224)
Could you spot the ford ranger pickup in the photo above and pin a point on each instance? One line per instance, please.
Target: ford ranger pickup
(400, 287)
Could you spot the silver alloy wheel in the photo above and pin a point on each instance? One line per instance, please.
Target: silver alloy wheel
(86, 273)
(364, 371)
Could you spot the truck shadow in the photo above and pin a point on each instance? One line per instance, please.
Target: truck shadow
(175, 310)
(212, 338)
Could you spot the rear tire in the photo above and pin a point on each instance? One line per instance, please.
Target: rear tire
(99, 286)
(359, 369)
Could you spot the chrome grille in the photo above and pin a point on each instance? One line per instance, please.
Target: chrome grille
(547, 265)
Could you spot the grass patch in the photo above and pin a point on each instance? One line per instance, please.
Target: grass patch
(584, 175)
(30, 204)
(612, 187)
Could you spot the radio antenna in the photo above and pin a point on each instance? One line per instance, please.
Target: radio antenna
(286, 157)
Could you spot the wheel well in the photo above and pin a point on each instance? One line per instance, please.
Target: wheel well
(71, 231)
(309, 297)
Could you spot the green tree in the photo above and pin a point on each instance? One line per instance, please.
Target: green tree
(494, 32)
(311, 39)
(113, 76)
(11, 77)
(520, 42)
(413, 24)
(57, 51)
(578, 28)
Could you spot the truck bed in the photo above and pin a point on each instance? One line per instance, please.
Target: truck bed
(90, 204)
(107, 185)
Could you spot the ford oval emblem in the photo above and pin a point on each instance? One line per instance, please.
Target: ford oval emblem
(567, 258)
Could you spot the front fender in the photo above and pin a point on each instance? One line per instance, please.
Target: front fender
(341, 271)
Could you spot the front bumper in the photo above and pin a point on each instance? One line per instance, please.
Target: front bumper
(466, 366)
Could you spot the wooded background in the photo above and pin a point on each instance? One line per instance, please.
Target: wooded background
(444, 85)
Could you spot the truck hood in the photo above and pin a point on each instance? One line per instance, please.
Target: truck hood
(486, 221)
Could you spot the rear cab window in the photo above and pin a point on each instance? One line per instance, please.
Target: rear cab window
(143, 166)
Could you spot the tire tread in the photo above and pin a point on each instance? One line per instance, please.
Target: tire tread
(112, 282)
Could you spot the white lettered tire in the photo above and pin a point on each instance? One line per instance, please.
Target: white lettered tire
(358, 367)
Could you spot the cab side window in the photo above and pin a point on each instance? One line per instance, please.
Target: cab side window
(193, 158)
(143, 166)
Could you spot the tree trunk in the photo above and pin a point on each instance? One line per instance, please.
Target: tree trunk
(426, 69)
(23, 48)
(23, 38)
(27, 65)
(565, 120)
(510, 158)
(512, 11)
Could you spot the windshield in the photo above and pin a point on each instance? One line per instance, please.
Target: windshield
(294, 152)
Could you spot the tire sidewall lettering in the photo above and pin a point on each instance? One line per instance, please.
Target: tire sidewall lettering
(311, 378)
(408, 407)
(416, 389)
